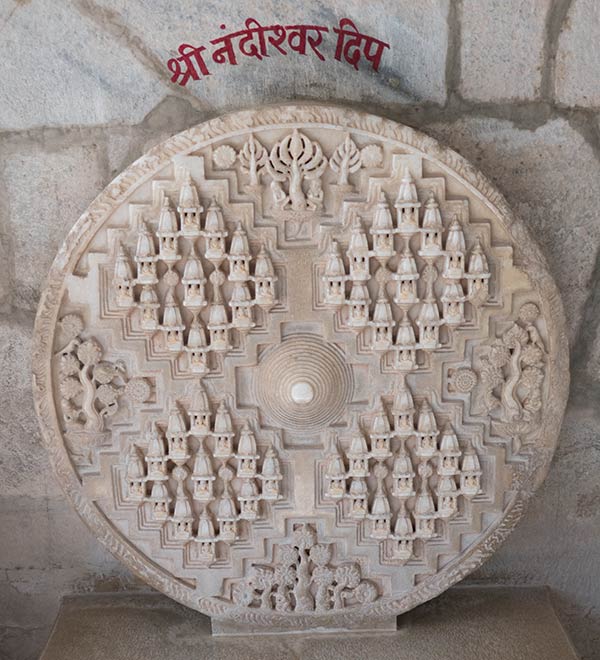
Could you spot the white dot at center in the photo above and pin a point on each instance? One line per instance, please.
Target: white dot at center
(302, 392)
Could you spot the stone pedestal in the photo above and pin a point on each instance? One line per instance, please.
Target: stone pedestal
(466, 623)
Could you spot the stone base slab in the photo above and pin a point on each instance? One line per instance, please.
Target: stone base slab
(366, 625)
(465, 623)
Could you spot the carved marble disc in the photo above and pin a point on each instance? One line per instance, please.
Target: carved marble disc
(300, 367)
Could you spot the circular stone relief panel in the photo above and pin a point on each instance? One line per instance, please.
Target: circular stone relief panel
(310, 385)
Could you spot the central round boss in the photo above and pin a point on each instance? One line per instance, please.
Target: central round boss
(303, 384)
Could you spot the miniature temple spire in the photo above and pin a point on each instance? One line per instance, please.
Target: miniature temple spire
(431, 231)
(358, 253)
(449, 452)
(358, 306)
(429, 321)
(156, 456)
(380, 513)
(424, 510)
(383, 322)
(406, 345)
(135, 475)
(403, 409)
(453, 303)
(407, 205)
(193, 281)
(205, 537)
(382, 230)
(197, 347)
(248, 498)
(454, 260)
(159, 500)
(470, 472)
(223, 433)
(239, 256)
(189, 208)
(145, 255)
(358, 494)
(403, 534)
(215, 233)
(241, 304)
(227, 514)
(270, 476)
(334, 276)
(380, 434)
(406, 277)
(427, 432)
(176, 434)
(403, 474)
(123, 280)
(199, 411)
(203, 475)
(167, 233)
(335, 472)
(218, 323)
(172, 324)
(182, 518)
(264, 279)
(149, 307)
(447, 497)
(478, 275)
(247, 453)
(358, 453)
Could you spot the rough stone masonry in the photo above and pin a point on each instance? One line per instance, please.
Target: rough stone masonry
(512, 86)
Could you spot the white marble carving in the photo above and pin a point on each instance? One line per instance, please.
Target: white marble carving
(300, 367)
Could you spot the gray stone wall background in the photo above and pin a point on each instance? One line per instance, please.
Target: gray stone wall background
(513, 85)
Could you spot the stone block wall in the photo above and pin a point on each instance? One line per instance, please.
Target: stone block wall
(514, 86)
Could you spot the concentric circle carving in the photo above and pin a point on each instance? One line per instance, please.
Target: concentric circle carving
(303, 384)
(299, 367)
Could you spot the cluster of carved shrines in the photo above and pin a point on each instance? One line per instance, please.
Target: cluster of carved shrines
(152, 473)
(355, 303)
(457, 472)
(248, 289)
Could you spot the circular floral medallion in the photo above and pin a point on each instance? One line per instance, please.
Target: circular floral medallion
(308, 362)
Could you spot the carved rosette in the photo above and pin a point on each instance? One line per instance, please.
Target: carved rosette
(300, 367)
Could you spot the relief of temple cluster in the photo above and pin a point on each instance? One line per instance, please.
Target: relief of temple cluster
(465, 276)
(251, 278)
(429, 472)
(157, 474)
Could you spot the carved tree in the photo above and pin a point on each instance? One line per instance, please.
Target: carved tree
(345, 160)
(263, 580)
(303, 565)
(253, 157)
(294, 159)
(347, 576)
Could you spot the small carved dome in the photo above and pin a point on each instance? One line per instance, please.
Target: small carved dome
(202, 464)
(247, 444)
(214, 220)
(223, 425)
(188, 196)
(407, 193)
(426, 423)
(455, 242)
(167, 221)
(432, 218)
(382, 219)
